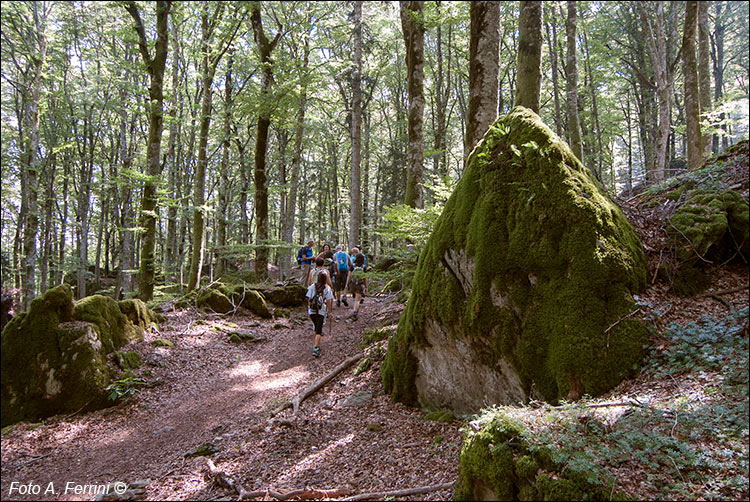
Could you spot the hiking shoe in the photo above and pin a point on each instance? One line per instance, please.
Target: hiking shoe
(338, 303)
(316, 351)
(345, 302)
(354, 316)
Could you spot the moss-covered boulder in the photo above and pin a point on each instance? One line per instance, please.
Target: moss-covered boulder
(138, 313)
(54, 357)
(255, 303)
(498, 462)
(524, 287)
(214, 300)
(290, 295)
(710, 226)
(51, 362)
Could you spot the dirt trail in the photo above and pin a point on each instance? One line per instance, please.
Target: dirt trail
(212, 391)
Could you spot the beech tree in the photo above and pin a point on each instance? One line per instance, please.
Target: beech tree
(571, 84)
(528, 87)
(692, 96)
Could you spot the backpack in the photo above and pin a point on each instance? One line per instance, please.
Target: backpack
(317, 301)
(341, 260)
(358, 276)
(302, 254)
(315, 273)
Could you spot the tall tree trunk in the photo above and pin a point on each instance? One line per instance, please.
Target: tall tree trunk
(170, 256)
(704, 71)
(442, 94)
(595, 111)
(356, 131)
(261, 143)
(412, 24)
(224, 194)
(551, 44)
(692, 96)
(657, 44)
(529, 84)
(717, 56)
(30, 167)
(149, 201)
(484, 54)
(287, 223)
(571, 85)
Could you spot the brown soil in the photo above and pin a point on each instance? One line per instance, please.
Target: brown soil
(209, 390)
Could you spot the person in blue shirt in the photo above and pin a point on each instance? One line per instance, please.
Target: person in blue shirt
(342, 264)
(307, 260)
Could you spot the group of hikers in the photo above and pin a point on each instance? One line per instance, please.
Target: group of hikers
(330, 276)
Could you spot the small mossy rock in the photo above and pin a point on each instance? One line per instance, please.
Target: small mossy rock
(363, 366)
(139, 314)
(161, 342)
(522, 283)
(115, 329)
(291, 295)
(281, 312)
(214, 300)
(496, 463)
(128, 360)
(203, 450)
(710, 225)
(256, 303)
(439, 416)
(50, 363)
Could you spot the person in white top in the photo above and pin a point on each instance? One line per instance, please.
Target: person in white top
(319, 304)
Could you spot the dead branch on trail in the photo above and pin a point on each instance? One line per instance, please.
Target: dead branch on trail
(222, 479)
(315, 386)
(400, 493)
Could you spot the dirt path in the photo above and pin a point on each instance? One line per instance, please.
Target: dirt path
(215, 392)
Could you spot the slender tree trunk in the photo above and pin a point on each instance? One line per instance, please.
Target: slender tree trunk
(356, 131)
(692, 96)
(170, 256)
(595, 110)
(224, 195)
(571, 85)
(657, 43)
(529, 84)
(149, 201)
(38, 41)
(412, 23)
(484, 53)
(717, 56)
(551, 44)
(704, 71)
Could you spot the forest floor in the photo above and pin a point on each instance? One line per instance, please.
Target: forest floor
(210, 391)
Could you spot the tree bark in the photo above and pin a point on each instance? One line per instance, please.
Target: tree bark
(571, 84)
(224, 193)
(529, 83)
(261, 143)
(484, 54)
(356, 129)
(704, 71)
(692, 96)
(412, 24)
(149, 200)
(551, 44)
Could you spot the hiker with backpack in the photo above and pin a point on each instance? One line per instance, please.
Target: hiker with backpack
(304, 258)
(319, 305)
(357, 283)
(314, 272)
(342, 264)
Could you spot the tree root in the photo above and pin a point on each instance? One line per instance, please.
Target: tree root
(400, 493)
(315, 386)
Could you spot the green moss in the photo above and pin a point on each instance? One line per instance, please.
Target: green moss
(255, 303)
(215, 300)
(128, 360)
(555, 264)
(439, 416)
(526, 467)
(281, 312)
(363, 366)
(112, 325)
(161, 342)
(139, 314)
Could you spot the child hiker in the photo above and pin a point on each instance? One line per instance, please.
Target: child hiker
(319, 303)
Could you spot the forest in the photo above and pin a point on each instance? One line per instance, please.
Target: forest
(551, 199)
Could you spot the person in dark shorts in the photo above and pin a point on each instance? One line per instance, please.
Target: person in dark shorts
(319, 306)
(343, 264)
(357, 283)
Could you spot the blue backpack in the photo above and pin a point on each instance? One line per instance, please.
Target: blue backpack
(342, 260)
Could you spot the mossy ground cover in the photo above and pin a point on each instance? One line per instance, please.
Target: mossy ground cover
(686, 443)
(543, 237)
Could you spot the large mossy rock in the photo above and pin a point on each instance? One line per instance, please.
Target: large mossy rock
(525, 285)
(54, 357)
(289, 295)
(254, 301)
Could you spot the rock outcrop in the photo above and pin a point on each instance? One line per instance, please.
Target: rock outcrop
(525, 288)
(54, 357)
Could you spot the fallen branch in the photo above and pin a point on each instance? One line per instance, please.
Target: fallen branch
(400, 493)
(222, 479)
(315, 386)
